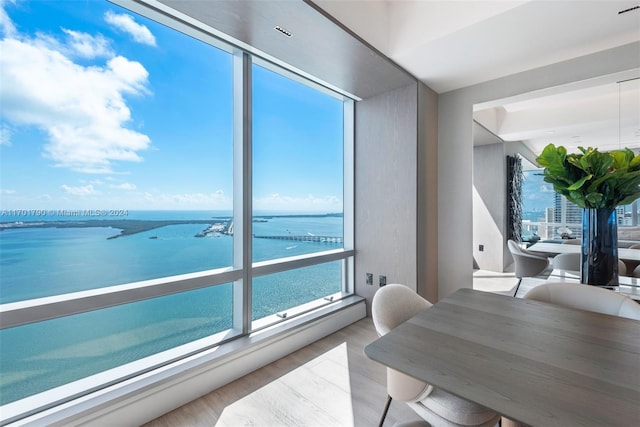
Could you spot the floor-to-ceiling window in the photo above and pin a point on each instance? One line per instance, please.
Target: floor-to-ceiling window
(297, 187)
(548, 215)
(145, 213)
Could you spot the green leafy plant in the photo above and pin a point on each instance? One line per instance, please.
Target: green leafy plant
(593, 179)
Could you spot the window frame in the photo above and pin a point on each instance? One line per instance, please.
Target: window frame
(242, 271)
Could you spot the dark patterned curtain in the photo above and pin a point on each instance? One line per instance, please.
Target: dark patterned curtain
(515, 178)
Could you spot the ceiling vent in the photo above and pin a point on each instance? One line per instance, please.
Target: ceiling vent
(282, 30)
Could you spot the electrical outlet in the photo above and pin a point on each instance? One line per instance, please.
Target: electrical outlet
(481, 248)
(383, 280)
(369, 279)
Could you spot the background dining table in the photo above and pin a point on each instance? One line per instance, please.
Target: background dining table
(625, 254)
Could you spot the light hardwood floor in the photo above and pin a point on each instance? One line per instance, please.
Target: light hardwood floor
(328, 383)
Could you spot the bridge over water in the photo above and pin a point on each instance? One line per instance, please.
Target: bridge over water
(307, 238)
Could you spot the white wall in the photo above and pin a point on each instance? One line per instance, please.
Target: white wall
(385, 189)
(455, 150)
(489, 201)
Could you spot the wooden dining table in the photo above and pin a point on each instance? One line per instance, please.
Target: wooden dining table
(535, 363)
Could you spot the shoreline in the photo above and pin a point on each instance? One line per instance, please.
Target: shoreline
(129, 227)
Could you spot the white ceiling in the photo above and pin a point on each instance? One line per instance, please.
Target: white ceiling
(603, 114)
(454, 44)
(317, 48)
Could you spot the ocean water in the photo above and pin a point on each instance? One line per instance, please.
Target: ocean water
(39, 262)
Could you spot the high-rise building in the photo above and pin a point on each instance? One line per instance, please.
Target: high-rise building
(625, 215)
(546, 229)
(568, 215)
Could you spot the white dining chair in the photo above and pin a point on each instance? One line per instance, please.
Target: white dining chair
(569, 262)
(392, 305)
(586, 297)
(622, 268)
(630, 265)
(527, 264)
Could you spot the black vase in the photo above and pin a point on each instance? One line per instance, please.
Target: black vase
(599, 247)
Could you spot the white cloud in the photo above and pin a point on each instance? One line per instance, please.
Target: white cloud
(124, 186)
(6, 25)
(5, 135)
(310, 203)
(7, 191)
(81, 108)
(74, 44)
(216, 200)
(88, 46)
(85, 190)
(126, 23)
(547, 188)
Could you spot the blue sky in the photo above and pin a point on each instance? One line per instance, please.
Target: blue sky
(537, 194)
(104, 109)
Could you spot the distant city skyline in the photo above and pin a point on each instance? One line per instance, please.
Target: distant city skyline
(105, 109)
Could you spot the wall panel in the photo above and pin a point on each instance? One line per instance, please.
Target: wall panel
(386, 188)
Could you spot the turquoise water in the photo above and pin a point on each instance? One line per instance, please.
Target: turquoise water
(47, 261)
(39, 262)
